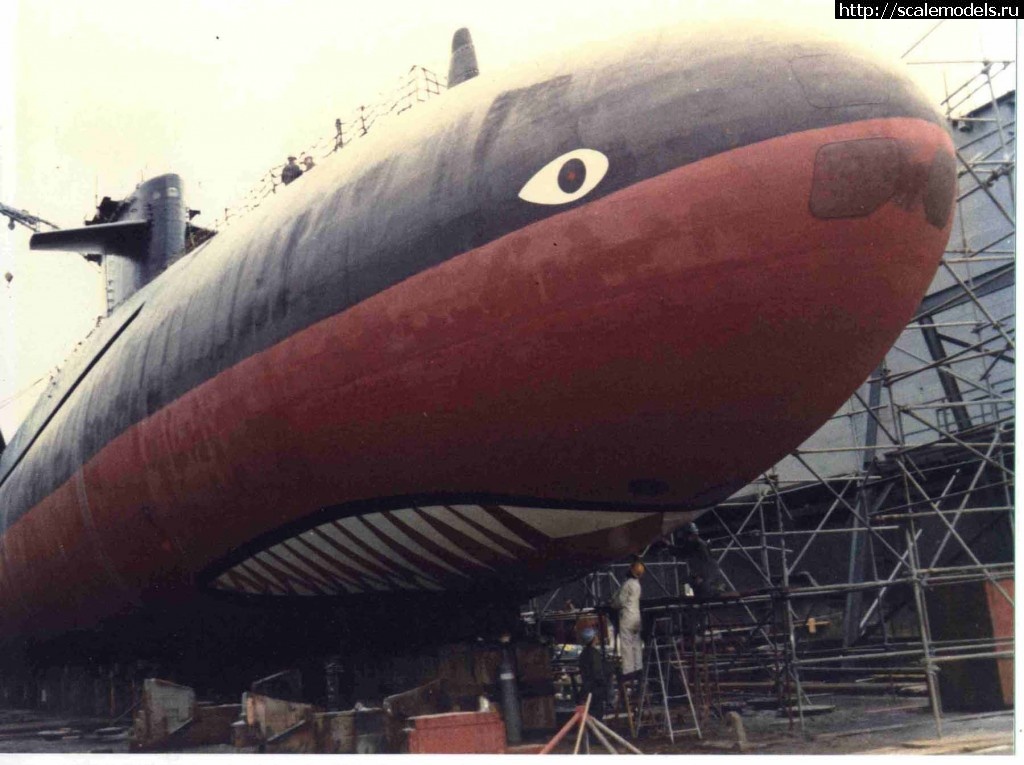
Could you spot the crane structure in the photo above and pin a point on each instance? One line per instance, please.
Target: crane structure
(25, 218)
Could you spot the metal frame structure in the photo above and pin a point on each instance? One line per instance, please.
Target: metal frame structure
(25, 218)
(416, 86)
(911, 482)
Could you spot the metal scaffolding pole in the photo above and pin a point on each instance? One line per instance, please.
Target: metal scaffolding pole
(924, 488)
(925, 632)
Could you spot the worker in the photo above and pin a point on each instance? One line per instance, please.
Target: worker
(290, 172)
(593, 678)
(627, 602)
(705, 575)
(307, 163)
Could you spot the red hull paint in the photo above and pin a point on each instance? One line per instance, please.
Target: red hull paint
(692, 329)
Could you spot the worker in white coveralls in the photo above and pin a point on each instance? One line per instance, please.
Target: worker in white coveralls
(627, 602)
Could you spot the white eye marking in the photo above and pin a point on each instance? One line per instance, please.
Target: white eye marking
(566, 179)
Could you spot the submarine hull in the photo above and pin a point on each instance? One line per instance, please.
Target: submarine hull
(711, 299)
(413, 378)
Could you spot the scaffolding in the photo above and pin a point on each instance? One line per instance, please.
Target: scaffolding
(844, 559)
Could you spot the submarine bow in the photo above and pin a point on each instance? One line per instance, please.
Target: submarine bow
(549, 321)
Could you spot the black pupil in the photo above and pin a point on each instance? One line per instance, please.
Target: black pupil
(572, 175)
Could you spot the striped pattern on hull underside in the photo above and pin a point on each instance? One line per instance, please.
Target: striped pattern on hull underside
(441, 548)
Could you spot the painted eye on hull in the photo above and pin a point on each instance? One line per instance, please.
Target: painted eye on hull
(566, 179)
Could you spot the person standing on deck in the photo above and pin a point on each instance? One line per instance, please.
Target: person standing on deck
(290, 172)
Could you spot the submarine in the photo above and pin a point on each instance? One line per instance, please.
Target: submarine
(554, 317)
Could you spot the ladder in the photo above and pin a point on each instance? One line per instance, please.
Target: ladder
(661, 656)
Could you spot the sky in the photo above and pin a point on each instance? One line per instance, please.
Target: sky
(96, 96)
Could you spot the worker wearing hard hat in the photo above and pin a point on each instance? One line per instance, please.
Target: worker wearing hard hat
(593, 678)
(627, 602)
(705, 575)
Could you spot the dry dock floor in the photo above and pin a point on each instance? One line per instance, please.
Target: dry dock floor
(858, 725)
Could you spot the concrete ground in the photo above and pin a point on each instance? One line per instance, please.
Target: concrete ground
(859, 724)
(31, 731)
